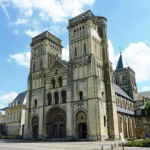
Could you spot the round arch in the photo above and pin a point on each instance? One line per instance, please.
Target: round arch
(56, 123)
(81, 123)
(35, 126)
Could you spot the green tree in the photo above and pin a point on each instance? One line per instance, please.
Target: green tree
(147, 107)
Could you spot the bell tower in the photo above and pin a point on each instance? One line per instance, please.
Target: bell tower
(45, 48)
(124, 77)
(87, 89)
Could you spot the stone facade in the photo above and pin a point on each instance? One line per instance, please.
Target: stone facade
(15, 116)
(74, 100)
(141, 116)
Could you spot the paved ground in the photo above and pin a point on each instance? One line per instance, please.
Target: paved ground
(46, 145)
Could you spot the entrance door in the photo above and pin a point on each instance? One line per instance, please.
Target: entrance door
(82, 130)
(35, 132)
(62, 131)
(55, 131)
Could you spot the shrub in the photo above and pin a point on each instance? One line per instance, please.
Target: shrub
(139, 143)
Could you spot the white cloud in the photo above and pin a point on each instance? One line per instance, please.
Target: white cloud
(65, 53)
(32, 33)
(146, 88)
(55, 29)
(16, 32)
(56, 10)
(137, 56)
(1, 106)
(21, 21)
(111, 51)
(3, 6)
(21, 58)
(7, 98)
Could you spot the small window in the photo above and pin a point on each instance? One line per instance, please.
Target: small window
(75, 53)
(41, 64)
(33, 66)
(49, 98)
(60, 81)
(14, 115)
(56, 71)
(56, 96)
(35, 103)
(81, 95)
(124, 79)
(53, 83)
(8, 116)
(138, 111)
(104, 121)
(84, 49)
(64, 96)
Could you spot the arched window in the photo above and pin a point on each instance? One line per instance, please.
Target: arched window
(84, 49)
(41, 64)
(8, 116)
(33, 66)
(81, 95)
(14, 115)
(56, 96)
(53, 83)
(124, 79)
(104, 121)
(75, 53)
(117, 80)
(60, 81)
(74, 33)
(56, 71)
(64, 96)
(49, 98)
(35, 103)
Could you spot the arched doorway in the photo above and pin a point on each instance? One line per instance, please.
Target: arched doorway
(56, 123)
(35, 127)
(81, 124)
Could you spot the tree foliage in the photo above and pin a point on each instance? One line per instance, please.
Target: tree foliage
(147, 107)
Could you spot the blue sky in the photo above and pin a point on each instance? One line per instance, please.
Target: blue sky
(128, 28)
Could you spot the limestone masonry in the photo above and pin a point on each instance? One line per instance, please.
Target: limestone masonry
(78, 99)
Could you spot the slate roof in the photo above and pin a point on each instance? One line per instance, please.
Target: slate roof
(20, 97)
(141, 107)
(65, 62)
(126, 111)
(119, 91)
(121, 63)
(145, 94)
(2, 113)
(4, 109)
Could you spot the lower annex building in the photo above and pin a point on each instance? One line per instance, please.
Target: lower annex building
(76, 99)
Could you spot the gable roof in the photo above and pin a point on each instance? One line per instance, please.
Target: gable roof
(21, 97)
(119, 91)
(59, 64)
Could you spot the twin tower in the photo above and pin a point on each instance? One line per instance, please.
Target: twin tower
(72, 100)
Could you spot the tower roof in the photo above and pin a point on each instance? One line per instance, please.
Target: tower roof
(121, 62)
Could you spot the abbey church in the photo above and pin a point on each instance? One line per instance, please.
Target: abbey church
(82, 98)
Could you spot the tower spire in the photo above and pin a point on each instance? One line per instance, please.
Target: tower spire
(120, 62)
